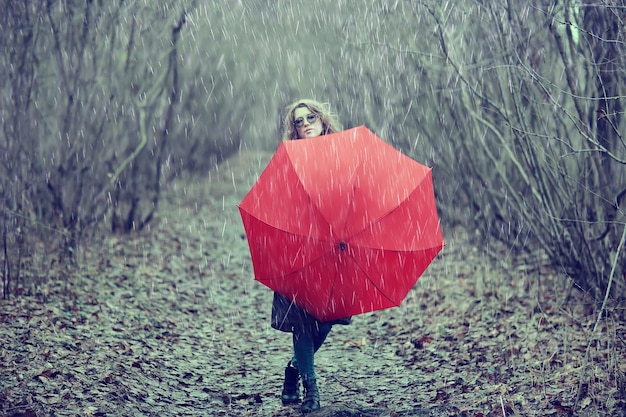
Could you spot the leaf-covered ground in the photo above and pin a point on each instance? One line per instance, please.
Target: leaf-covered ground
(171, 323)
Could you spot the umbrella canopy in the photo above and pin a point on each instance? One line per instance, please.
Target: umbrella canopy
(342, 224)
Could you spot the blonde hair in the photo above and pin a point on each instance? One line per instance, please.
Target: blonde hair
(322, 110)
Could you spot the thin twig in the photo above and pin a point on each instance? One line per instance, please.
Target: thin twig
(599, 315)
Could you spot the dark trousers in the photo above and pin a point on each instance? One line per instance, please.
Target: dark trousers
(305, 343)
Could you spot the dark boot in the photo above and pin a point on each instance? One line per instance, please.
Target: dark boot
(311, 400)
(291, 388)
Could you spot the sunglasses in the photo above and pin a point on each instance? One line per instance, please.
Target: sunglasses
(310, 118)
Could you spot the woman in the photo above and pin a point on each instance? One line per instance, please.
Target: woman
(304, 119)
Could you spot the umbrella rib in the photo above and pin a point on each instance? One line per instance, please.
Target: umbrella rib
(330, 296)
(326, 252)
(396, 207)
(319, 239)
(351, 199)
(301, 267)
(330, 293)
(374, 284)
(312, 203)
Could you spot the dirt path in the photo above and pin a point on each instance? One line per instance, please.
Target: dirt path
(172, 323)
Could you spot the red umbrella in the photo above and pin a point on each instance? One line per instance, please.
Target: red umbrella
(342, 224)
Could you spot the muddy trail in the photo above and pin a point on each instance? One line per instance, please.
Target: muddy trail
(171, 323)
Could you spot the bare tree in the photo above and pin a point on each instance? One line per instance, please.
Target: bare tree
(535, 116)
(518, 109)
(86, 127)
(107, 104)
(19, 172)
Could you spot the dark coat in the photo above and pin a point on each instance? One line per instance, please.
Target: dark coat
(286, 316)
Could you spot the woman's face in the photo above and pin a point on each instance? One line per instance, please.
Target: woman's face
(307, 123)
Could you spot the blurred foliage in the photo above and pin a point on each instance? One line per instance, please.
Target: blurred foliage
(516, 106)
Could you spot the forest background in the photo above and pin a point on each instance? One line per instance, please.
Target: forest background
(517, 106)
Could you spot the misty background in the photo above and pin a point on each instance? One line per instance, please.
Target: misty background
(517, 107)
